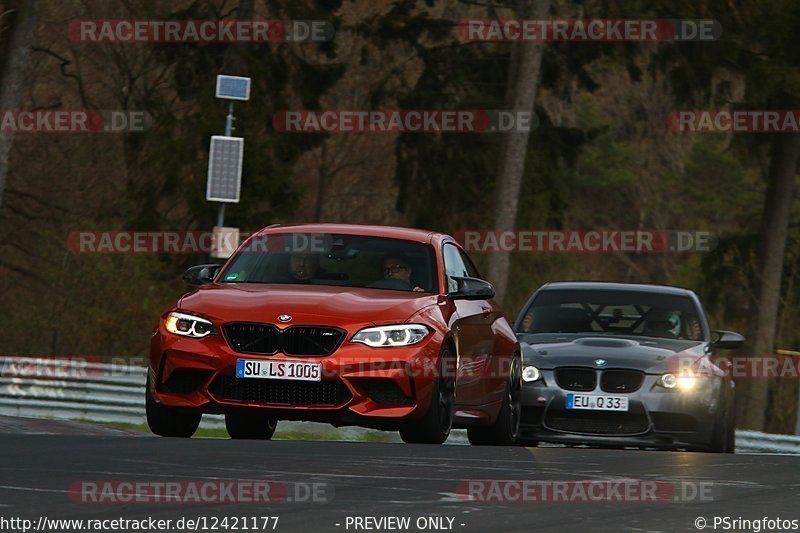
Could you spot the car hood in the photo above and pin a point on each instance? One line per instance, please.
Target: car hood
(648, 354)
(306, 304)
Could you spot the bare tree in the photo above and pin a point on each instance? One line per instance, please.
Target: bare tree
(13, 74)
(523, 82)
(775, 219)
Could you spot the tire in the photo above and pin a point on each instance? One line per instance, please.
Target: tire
(168, 421)
(434, 427)
(731, 427)
(250, 425)
(723, 440)
(505, 430)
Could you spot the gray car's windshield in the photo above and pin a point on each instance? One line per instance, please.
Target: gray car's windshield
(613, 312)
(335, 259)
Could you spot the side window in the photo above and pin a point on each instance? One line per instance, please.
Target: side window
(472, 271)
(453, 266)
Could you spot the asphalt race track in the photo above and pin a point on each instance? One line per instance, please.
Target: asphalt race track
(41, 462)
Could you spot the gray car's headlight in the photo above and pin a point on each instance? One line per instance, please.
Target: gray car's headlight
(189, 325)
(671, 381)
(530, 374)
(389, 336)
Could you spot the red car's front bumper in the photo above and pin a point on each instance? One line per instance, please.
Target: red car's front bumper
(377, 387)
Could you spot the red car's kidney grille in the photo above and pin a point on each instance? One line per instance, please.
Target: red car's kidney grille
(252, 337)
(280, 392)
(311, 340)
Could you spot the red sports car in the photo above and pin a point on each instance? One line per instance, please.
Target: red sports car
(381, 327)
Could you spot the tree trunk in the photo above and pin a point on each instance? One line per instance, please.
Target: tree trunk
(774, 229)
(523, 81)
(232, 62)
(13, 76)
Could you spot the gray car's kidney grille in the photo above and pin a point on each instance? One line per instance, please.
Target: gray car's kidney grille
(577, 379)
(266, 339)
(621, 381)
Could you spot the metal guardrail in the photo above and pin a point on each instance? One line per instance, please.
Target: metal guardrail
(755, 441)
(76, 389)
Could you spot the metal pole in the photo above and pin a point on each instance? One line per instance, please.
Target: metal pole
(228, 132)
(229, 120)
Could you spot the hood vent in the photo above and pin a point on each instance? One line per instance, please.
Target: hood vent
(606, 343)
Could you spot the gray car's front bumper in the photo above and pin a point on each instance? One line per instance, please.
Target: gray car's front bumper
(657, 417)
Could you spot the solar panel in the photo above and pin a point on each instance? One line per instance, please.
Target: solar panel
(225, 169)
(233, 87)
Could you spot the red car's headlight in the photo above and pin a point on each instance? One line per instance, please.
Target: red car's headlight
(189, 325)
(389, 336)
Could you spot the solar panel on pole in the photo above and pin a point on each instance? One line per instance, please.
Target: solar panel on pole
(233, 87)
(225, 169)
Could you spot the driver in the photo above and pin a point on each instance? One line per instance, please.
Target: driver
(662, 323)
(303, 266)
(396, 267)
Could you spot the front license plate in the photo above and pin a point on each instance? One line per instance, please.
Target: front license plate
(283, 369)
(597, 403)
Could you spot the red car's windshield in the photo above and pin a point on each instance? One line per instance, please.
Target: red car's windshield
(335, 259)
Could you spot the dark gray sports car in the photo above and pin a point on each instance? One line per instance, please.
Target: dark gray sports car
(624, 365)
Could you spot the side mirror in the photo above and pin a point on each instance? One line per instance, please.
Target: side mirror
(201, 274)
(727, 340)
(471, 289)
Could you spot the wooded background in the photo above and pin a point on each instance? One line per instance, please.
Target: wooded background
(601, 157)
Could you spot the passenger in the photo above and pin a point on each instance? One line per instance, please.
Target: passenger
(396, 267)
